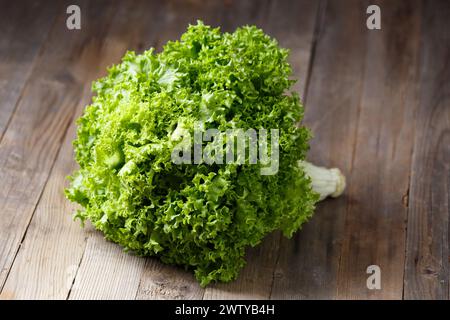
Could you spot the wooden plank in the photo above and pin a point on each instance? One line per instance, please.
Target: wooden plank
(22, 34)
(165, 282)
(375, 226)
(308, 264)
(292, 24)
(106, 272)
(255, 279)
(368, 84)
(48, 262)
(95, 274)
(364, 103)
(160, 281)
(49, 255)
(427, 256)
(34, 136)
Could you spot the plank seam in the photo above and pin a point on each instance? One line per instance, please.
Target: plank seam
(355, 135)
(405, 256)
(54, 160)
(141, 276)
(28, 76)
(276, 264)
(64, 137)
(413, 154)
(417, 80)
(88, 236)
(320, 20)
(319, 23)
(78, 268)
(35, 61)
(38, 201)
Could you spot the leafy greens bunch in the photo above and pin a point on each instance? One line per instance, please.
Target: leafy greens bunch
(200, 216)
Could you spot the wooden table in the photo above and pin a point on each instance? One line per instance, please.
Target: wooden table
(377, 101)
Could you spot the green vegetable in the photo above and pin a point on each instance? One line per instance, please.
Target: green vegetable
(200, 216)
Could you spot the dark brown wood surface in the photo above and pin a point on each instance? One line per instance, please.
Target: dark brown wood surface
(377, 101)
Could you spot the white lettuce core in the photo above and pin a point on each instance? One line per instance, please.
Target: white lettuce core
(326, 182)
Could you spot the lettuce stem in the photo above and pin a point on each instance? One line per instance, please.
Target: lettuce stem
(326, 182)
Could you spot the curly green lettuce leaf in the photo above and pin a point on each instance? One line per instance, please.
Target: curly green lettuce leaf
(200, 216)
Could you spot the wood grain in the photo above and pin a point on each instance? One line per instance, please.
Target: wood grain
(369, 226)
(145, 33)
(106, 272)
(293, 24)
(159, 281)
(34, 136)
(48, 261)
(308, 264)
(22, 36)
(377, 102)
(427, 256)
(165, 282)
(375, 225)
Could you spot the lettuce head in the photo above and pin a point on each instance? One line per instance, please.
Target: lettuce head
(201, 216)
